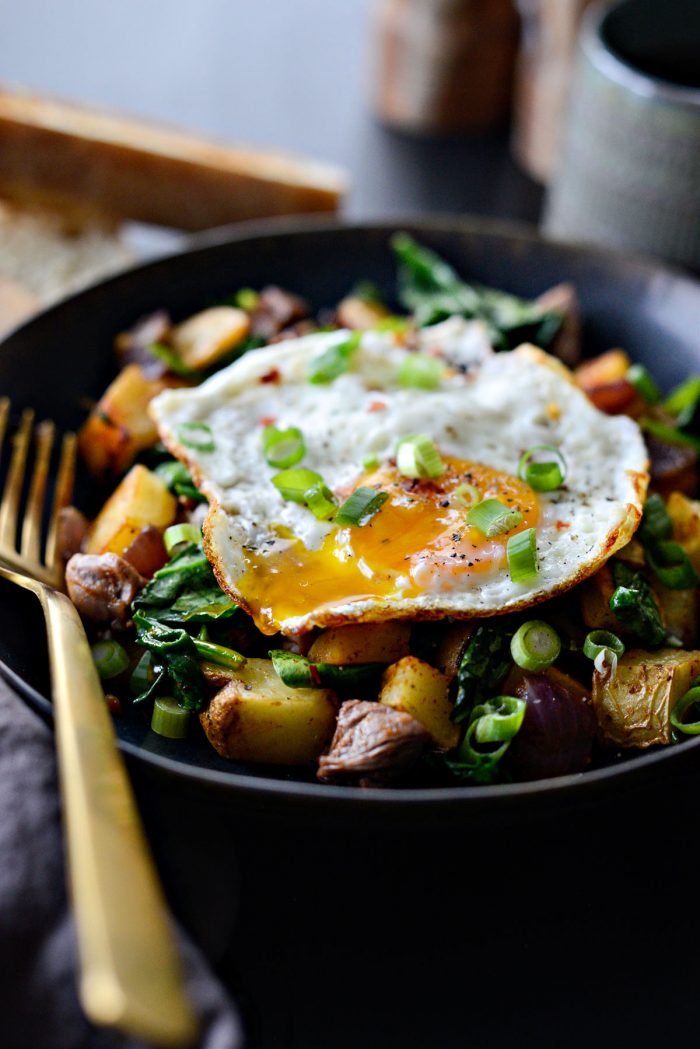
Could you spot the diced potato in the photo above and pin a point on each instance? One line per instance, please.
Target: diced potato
(595, 597)
(354, 312)
(452, 646)
(141, 499)
(680, 612)
(632, 554)
(256, 717)
(119, 426)
(633, 706)
(421, 691)
(200, 341)
(685, 514)
(604, 381)
(362, 643)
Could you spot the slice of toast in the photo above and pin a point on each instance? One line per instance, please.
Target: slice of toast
(63, 155)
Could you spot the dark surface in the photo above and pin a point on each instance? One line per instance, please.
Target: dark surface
(488, 924)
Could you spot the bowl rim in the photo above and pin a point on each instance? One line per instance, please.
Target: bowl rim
(421, 799)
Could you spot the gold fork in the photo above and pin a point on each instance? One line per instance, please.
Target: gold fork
(130, 972)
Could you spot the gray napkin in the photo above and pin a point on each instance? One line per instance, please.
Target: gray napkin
(38, 1000)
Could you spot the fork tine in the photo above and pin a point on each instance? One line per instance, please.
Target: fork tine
(4, 416)
(31, 526)
(63, 494)
(15, 477)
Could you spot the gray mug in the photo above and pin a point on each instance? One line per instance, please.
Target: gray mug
(629, 174)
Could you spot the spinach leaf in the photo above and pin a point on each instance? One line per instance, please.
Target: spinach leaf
(433, 291)
(179, 480)
(177, 655)
(185, 591)
(634, 605)
(485, 663)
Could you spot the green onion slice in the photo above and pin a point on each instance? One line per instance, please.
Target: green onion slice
(683, 400)
(333, 361)
(170, 358)
(417, 456)
(196, 435)
(294, 484)
(370, 462)
(535, 645)
(110, 659)
(169, 719)
(521, 551)
(362, 505)
(542, 476)
(491, 517)
(691, 698)
(638, 376)
(320, 501)
(598, 641)
(246, 299)
(497, 721)
(669, 434)
(656, 522)
(465, 495)
(420, 372)
(219, 654)
(144, 674)
(181, 533)
(283, 448)
(670, 563)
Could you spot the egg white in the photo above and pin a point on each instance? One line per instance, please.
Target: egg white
(488, 409)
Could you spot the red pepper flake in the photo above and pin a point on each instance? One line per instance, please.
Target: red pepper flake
(377, 406)
(561, 525)
(315, 676)
(272, 376)
(267, 420)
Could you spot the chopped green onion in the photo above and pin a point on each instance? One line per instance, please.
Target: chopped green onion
(683, 400)
(535, 645)
(421, 372)
(491, 517)
(177, 478)
(521, 551)
(691, 698)
(465, 495)
(320, 501)
(246, 299)
(110, 659)
(283, 448)
(361, 506)
(169, 719)
(417, 456)
(656, 522)
(171, 359)
(297, 671)
(545, 476)
(669, 434)
(219, 654)
(294, 484)
(598, 641)
(196, 435)
(638, 376)
(497, 721)
(144, 674)
(333, 361)
(370, 462)
(181, 533)
(670, 563)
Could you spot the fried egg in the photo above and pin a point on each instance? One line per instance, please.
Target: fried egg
(417, 557)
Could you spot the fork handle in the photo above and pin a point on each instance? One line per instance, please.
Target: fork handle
(130, 971)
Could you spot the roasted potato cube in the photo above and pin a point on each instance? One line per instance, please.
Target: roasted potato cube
(632, 554)
(603, 379)
(361, 643)
(354, 312)
(421, 691)
(680, 612)
(141, 499)
(119, 426)
(256, 717)
(633, 706)
(200, 341)
(685, 514)
(595, 597)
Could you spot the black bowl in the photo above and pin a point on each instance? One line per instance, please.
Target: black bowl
(65, 355)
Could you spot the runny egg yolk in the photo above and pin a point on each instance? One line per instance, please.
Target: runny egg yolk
(419, 542)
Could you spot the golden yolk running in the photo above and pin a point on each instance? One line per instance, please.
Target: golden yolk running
(418, 542)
